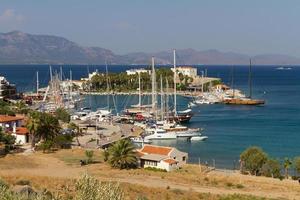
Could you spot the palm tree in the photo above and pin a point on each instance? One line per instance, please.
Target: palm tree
(33, 125)
(21, 107)
(287, 164)
(122, 155)
(49, 127)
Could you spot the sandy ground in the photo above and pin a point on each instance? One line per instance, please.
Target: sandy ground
(51, 165)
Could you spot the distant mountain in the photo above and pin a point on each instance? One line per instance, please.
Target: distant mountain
(21, 48)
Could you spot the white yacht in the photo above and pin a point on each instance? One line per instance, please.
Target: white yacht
(198, 138)
(140, 140)
(161, 134)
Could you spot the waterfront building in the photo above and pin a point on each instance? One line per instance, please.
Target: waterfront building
(90, 76)
(186, 70)
(165, 158)
(137, 71)
(7, 90)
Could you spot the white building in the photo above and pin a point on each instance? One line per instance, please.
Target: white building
(90, 76)
(7, 90)
(165, 158)
(13, 125)
(137, 71)
(186, 70)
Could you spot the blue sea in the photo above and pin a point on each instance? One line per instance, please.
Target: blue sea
(274, 126)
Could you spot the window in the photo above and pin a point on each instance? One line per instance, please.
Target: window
(183, 158)
(150, 163)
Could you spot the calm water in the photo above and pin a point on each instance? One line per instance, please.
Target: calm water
(275, 126)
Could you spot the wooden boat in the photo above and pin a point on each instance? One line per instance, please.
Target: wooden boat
(242, 100)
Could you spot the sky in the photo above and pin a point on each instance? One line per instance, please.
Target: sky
(243, 26)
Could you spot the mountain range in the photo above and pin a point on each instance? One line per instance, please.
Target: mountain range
(22, 48)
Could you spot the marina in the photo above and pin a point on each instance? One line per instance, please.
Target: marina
(213, 118)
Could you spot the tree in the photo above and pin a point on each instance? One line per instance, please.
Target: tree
(21, 107)
(297, 164)
(271, 168)
(287, 164)
(42, 126)
(253, 159)
(7, 140)
(49, 127)
(122, 155)
(33, 124)
(63, 115)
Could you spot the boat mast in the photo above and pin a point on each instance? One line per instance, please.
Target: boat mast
(250, 79)
(161, 98)
(71, 79)
(107, 85)
(232, 82)
(140, 92)
(37, 82)
(167, 98)
(175, 96)
(153, 88)
(61, 73)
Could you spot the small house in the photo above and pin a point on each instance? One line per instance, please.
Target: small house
(13, 125)
(165, 158)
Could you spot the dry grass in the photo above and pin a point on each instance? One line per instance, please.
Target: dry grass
(12, 161)
(73, 156)
(56, 171)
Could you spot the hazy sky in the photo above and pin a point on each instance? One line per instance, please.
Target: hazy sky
(244, 26)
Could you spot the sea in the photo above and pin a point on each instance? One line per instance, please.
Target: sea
(275, 126)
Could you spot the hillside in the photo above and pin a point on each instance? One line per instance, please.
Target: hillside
(21, 48)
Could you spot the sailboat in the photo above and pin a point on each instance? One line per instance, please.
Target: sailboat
(178, 116)
(245, 100)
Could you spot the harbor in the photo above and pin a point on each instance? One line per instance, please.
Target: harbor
(211, 118)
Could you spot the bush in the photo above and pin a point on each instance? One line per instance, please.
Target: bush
(89, 154)
(23, 182)
(271, 168)
(89, 188)
(3, 184)
(46, 145)
(155, 169)
(63, 141)
(253, 159)
(297, 164)
(240, 186)
(228, 184)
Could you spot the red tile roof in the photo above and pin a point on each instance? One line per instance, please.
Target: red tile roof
(151, 149)
(139, 154)
(170, 161)
(6, 118)
(22, 131)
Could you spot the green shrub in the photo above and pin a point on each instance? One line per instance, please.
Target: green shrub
(89, 188)
(240, 186)
(178, 191)
(297, 164)
(3, 184)
(23, 182)
(228, 184)
(155, 169)
(89, 154)
(271, 168)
